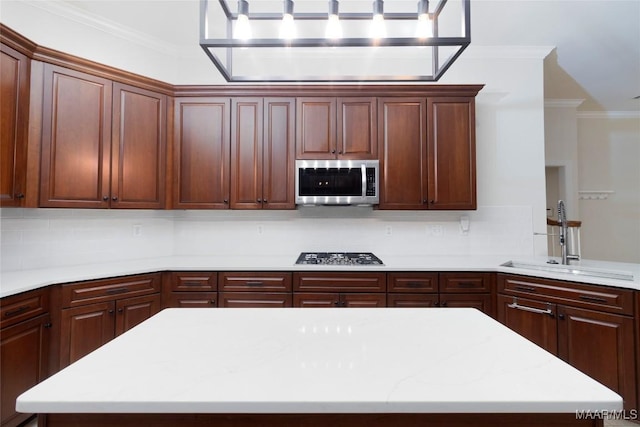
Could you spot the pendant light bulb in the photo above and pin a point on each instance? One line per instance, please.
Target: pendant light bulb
(334, 28)
(424, 27)
(242, 29)
(378, 28)
(288, 26)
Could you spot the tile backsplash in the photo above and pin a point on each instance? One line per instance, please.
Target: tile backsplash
(40, 238)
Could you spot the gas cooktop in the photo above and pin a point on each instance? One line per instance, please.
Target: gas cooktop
(338, 258)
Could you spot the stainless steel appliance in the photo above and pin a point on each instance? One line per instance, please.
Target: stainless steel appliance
(337, 182)
(338, 258)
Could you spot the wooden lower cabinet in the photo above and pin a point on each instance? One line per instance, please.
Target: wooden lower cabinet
(190, 289)
(599, 343)
(85, 328)
(191, 299)
(23, 363)
(328, 300)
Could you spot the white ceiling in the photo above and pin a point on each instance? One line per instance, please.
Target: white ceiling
(597, 55)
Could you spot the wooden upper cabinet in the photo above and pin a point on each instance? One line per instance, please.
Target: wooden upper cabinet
(138, 148)
(76, 139)
(201, 158)
(336, 128)
(402, 145)
(278, 153)
(262, 153)
(451, 153)
(14, 113)
(103, 144)
(357, 131)
(246, 153)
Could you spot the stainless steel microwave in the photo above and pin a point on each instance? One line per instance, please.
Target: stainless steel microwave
(337, 182)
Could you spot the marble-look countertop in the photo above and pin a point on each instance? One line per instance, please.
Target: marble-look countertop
(454, 360)
(13, 282)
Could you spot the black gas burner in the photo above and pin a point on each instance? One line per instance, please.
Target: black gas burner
(338, 258)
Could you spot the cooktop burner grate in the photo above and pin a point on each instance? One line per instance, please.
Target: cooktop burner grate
(338, 258)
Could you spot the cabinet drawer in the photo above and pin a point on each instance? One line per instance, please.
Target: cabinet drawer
(252, 281)
(339, 282)
(254, 299)
(600, 298)
(16, 308)
(412, 300)
(413, 282)
(191, 299)
(192, 281)
(109, 289)
(454, 282)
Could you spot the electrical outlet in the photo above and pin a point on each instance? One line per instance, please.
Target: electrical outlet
(435, 230)
(137, 230)
(388, 230)
(260, 229)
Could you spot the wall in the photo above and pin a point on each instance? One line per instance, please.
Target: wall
(510, 168)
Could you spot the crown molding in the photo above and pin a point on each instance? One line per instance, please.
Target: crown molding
(563, 103)
(507, 52)
(608, 114)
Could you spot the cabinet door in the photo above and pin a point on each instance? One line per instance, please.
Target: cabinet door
(201, 153)
(132, 311)
(14, 115)
(84, 329)
(531, 320)
(316, 300)
(363, 300)
(138, 148)
(451, 153)
(601, 346)
(278, 154)
(23, 361)
(246, 153)
(412, 300)
(76, 139)
(315, 128)
(480, 301)
(357, 130)
(254, 299)
(402, 146)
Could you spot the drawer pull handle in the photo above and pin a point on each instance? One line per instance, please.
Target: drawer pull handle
(255, 283)
(525, 288)
(593, 299)
(192, 283)
(15, 311)
(117, 291)
(414, 284)
(530, 309)
(466, 284)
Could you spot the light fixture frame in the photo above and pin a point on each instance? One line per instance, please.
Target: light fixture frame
(229, 43)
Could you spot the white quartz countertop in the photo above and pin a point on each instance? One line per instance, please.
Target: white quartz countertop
(13, 282)
(454, 360)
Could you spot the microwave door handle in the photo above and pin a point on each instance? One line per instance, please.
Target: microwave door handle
(363, 168)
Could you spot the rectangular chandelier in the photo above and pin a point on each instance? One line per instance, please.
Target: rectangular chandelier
(334, 40)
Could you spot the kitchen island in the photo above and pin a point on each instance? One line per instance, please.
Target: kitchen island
(286, 367)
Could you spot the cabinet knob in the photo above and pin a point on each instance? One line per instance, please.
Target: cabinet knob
(212, 302)
(333, 151)
(443, 304)
(110, 311)
(336, 303)
(114, 198)
(19, 196)
(561, 316)
(436, 304)
(339, 152)
(120, 310)
(259, 200)
(424, 201)
(225, 201)
(48, 325)
(265, 201)
(432, 201)
(105, 198)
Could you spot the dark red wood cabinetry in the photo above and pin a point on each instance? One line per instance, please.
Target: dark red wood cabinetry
(95, 312)
(103, 144)
(590, 327)
(262, 155)
(335, 289)
(15, 69)
(24, 349)
(336, 128)
(201, 153)
(255, 289)
(190, 289)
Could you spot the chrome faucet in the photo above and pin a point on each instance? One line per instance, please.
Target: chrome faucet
(564, 243)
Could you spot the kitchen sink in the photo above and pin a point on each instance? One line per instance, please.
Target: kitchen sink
(571, 269)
